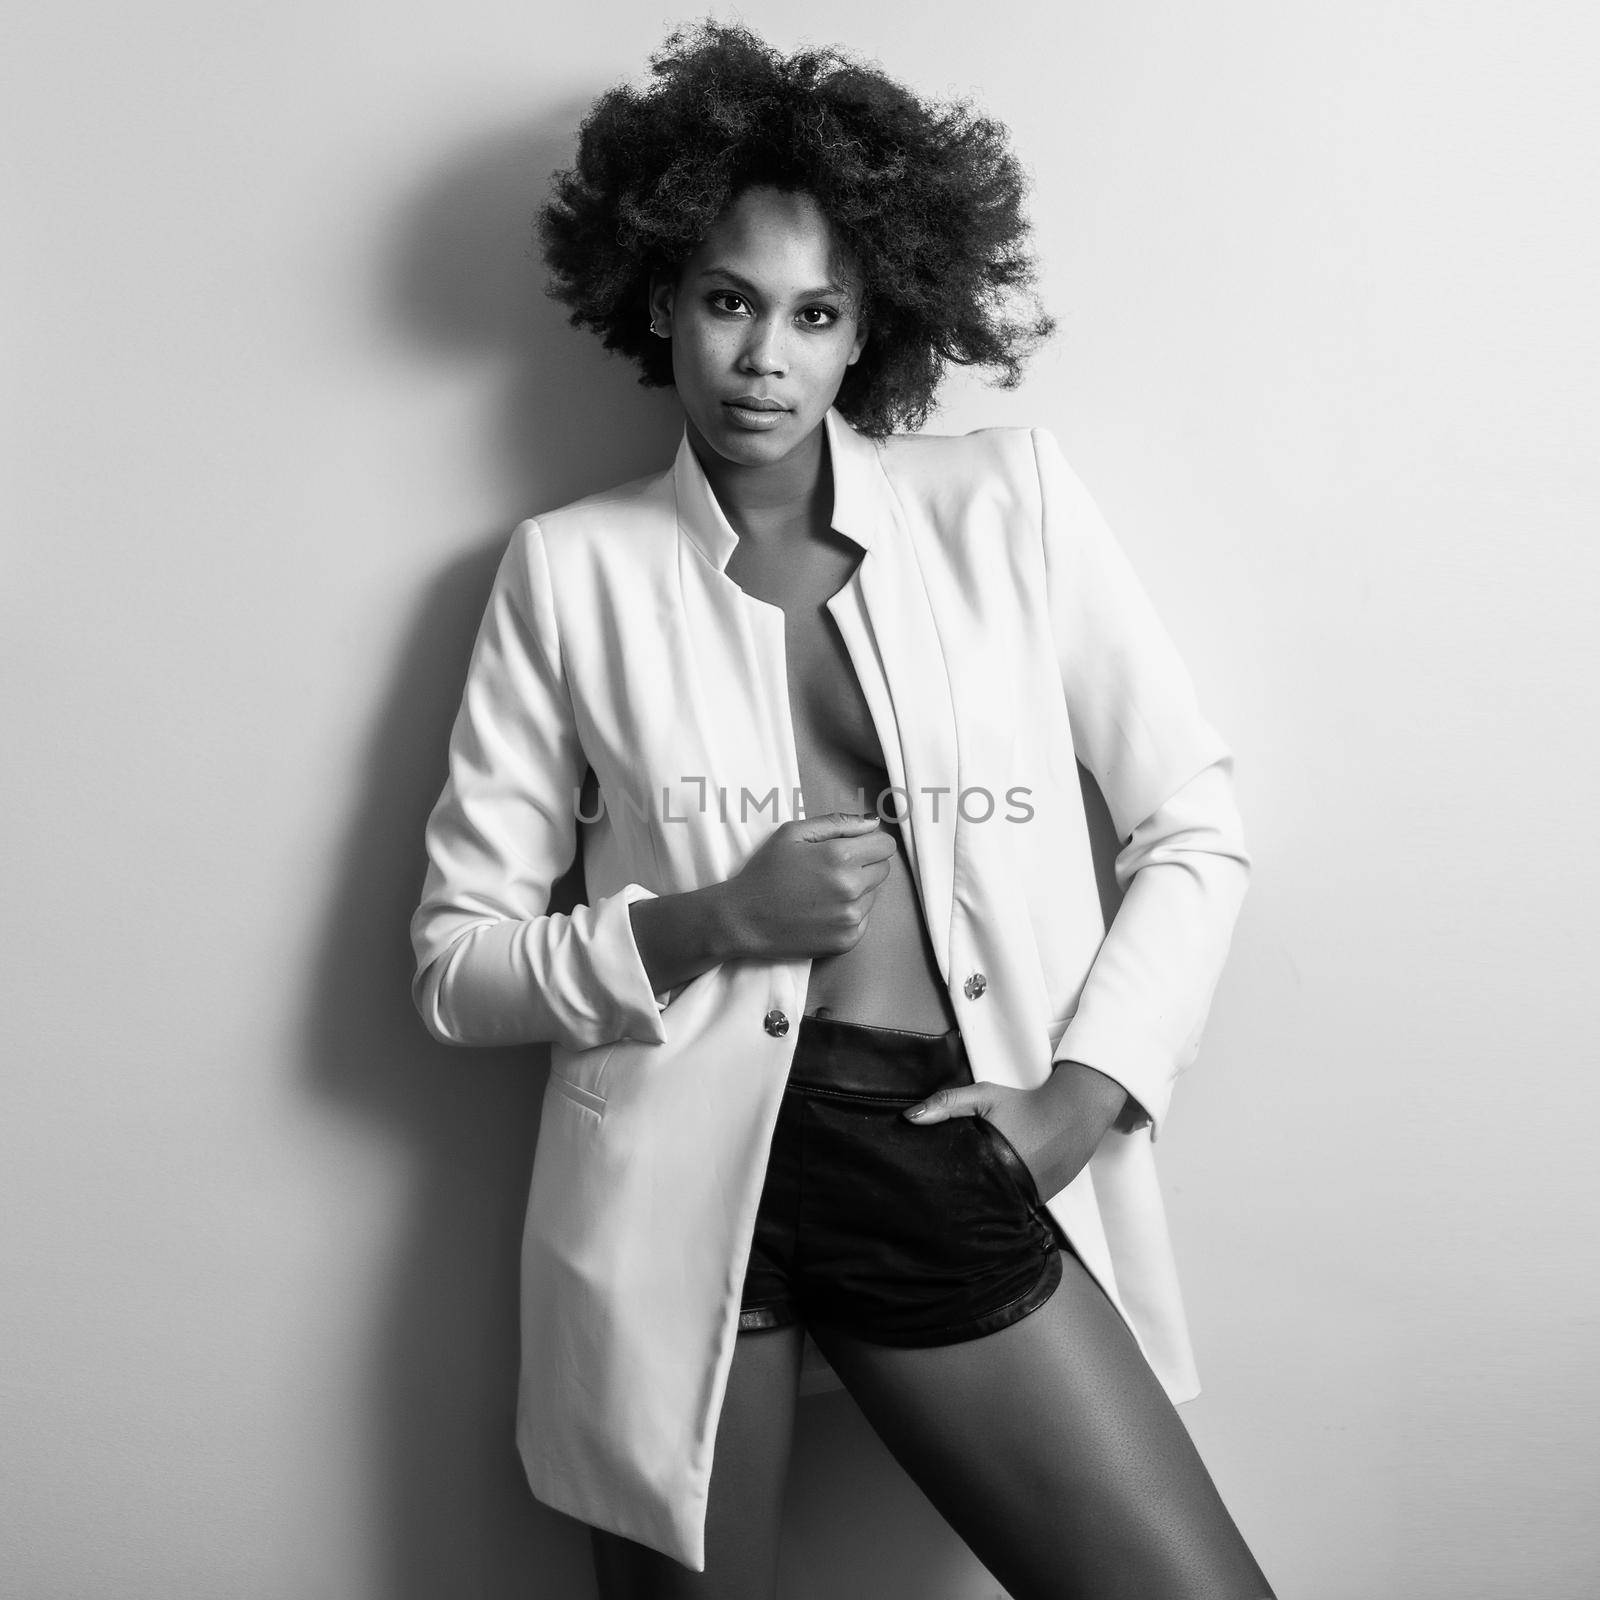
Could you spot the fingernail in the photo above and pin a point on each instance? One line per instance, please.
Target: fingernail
(917, 1111)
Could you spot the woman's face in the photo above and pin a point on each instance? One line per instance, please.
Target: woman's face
(762, 328)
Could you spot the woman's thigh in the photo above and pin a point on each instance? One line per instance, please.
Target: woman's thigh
(749, 1467)
(1053, 1451)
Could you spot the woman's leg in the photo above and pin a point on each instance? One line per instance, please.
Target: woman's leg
(749, 1466)
(1052, 1450)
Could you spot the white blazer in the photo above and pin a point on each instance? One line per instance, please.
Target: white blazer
(1000, 637)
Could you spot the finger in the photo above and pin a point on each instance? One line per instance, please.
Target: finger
(867, 849)
(878, 846)
(876, 873)
(942, 1104)
(837, 825)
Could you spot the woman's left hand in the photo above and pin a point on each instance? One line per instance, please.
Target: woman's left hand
(1055, 1127)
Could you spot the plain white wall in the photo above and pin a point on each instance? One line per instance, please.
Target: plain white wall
(279, 381)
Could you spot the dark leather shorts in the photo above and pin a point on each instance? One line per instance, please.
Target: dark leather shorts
(896, 1233)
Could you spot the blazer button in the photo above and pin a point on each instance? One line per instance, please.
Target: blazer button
(975, 985)
(776, 1024)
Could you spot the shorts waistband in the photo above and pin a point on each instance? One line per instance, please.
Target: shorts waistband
(864, 1058)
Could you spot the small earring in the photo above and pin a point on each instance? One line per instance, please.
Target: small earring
(657, 331)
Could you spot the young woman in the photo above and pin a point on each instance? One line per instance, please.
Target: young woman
(842, 1043)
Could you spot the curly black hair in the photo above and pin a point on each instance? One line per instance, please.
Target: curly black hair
(925, 199)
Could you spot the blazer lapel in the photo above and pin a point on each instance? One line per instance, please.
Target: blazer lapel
(894, 645)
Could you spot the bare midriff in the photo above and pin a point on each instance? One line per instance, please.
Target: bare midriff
(889, 978)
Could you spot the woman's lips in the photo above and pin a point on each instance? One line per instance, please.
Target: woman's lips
(756, 419)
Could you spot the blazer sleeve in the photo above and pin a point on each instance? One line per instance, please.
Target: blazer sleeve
(494, 966)
(1167, 778)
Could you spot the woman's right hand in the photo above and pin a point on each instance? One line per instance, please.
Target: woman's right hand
(808, 890)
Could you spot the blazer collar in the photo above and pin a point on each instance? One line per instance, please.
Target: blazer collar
(859, 493)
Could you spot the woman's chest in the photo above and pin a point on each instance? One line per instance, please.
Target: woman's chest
(837, 745)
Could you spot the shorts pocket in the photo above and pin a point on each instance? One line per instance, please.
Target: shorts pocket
(1010, 1159)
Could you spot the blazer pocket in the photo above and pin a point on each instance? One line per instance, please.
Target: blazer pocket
(584, 1099)
(584, 1071)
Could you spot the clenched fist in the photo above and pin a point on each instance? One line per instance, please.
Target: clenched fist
(808, 890)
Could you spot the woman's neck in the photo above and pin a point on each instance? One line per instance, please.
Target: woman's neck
(779, 501)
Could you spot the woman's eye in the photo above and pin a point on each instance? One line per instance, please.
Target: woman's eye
(727, 300)
(819, 316)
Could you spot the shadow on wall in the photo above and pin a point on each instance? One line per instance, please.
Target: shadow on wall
(451, 1513)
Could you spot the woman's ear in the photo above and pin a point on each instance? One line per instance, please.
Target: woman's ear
(858, 346)
(660, 307)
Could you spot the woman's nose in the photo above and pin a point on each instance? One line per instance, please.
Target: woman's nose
(764, 349)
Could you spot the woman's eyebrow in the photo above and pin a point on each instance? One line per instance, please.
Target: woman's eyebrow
(745, 285)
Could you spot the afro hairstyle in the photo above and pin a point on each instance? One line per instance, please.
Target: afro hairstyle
(924, 200)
